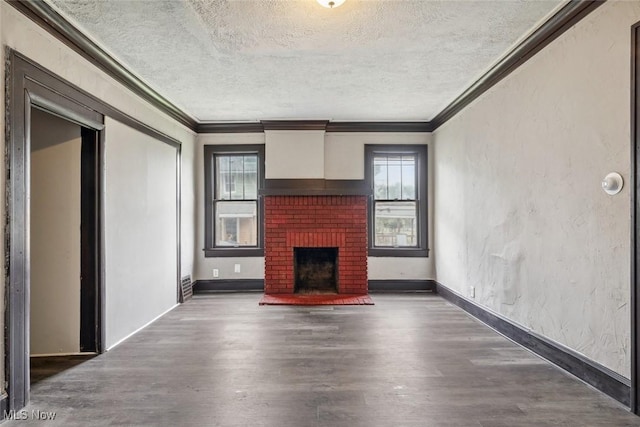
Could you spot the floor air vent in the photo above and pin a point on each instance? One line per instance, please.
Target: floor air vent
(187, 288)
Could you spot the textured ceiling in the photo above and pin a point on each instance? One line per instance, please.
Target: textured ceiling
(226, 60)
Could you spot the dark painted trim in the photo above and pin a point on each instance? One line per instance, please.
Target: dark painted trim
(17, 132)
(635, 219)
(379, 127)
(315, 187)
(233, 252)
(422, 152)
(225, 285)
(228, 285)
(102, 264)
(294, 124)
(210, 249)
(328, 126)
(46, 84)
(399, 252)
(53, 103)
(29, 85)
(229, 127)
(555, 26)
(45, 16)
(402, 286)
(90, 168)
(178, 288)
(592, 373)
(4, 406)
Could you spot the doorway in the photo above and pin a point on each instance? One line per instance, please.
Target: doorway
(64, 234)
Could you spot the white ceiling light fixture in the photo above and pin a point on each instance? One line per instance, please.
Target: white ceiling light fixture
(330, 4)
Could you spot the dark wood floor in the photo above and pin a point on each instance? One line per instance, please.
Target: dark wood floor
(410, 360)
(45, 367)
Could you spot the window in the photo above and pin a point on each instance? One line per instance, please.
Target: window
(397, 176)
(234, 175)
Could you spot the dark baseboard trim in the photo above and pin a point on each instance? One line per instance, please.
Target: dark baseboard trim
(243, 285)
(315, 187)
(555, 26)
(594, 374)
(228, 285)
(402, 286)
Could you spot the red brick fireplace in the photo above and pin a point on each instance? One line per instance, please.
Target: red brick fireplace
(316, 222)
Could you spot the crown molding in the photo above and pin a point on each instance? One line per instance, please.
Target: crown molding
(229, 127)
(379, 127)
(326, 125)
(550, 30)
(49, 19)
(294, 124)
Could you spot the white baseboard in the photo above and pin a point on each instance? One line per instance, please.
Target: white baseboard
(140, 328)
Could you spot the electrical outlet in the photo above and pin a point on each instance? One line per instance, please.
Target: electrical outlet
(236, 268)
(472, 292)
(216, 272)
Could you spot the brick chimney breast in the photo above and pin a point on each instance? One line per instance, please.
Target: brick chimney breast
(316, 222)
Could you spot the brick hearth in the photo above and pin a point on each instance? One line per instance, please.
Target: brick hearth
(316, 221)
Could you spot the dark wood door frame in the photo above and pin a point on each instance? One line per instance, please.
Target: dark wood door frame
(29, 88)
(90, 241)
(31, 85)
(635, 218)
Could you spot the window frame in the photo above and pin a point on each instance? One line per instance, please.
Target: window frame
(421, 153)
(210, 248)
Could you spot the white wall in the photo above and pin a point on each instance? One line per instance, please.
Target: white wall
(250, 267)
(344, 159)
(140, 229)
(294, 154)
(55, 235)
(188, 203)
(317, 155)
(520, 214)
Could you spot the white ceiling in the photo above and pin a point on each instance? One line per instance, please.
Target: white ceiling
(228, 60)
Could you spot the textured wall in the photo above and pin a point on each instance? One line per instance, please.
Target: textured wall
(520, 214)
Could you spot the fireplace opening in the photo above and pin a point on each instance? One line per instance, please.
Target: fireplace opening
(316, 270)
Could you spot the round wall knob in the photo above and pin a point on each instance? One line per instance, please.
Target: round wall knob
(612, 183)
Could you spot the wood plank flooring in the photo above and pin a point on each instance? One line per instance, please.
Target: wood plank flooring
(45, 367)
(410, 360)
